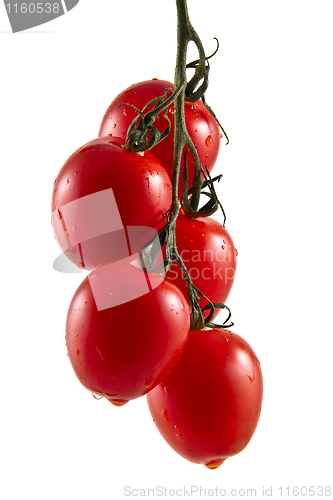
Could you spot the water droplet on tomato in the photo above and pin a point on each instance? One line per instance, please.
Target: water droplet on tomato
(164, 415)
(58, 213)
(149, 382)
(99, 397)
(255, 357)
(236, 252)
(77, 352)
(114, 125)
(178, 436)
(118, 402)
(100, 352)
(209, 140)
(214, 464)
(177, 428)
(251, 377)
(223, 247)
(182, 306)
(67, 182)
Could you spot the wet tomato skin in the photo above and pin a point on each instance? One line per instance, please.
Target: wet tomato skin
(209, 255)
(202, 127)
(140, 185)
(122, 352)
(208, 407)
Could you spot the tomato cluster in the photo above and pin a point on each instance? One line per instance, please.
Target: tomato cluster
(128, 329)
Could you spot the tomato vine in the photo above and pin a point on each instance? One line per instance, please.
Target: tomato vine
(143, 136)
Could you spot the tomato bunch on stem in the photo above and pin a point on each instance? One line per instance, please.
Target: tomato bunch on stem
(161, 268)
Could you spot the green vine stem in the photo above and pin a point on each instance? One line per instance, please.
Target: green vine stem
(137, 140)
(185, 34)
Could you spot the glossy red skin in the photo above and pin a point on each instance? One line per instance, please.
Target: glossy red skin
(209, 255)
(122, 352)
(141, 186)
(201, 126)
(208, 407)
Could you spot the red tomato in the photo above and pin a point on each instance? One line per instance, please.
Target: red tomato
(124, 334)
(101, 192)
(209, 255)
(208, 407)
(201, 126)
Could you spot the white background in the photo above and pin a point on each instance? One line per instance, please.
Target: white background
(271, 86)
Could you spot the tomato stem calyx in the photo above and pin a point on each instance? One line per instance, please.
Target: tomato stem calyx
(142, 135)
(211, 206)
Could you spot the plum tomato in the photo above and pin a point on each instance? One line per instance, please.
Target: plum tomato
(209, 255)
(125, 331)
(100, 192)
(208, 407)
(201, 125)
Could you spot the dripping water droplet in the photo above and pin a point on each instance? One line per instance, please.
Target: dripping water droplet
(118, 402)
(214, 464)
(99, 397)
